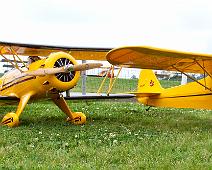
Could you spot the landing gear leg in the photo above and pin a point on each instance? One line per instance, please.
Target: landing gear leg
(77, 118)
(12, 119)
(147, 109)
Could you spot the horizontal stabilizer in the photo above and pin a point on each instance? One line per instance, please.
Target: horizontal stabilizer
(141, 94)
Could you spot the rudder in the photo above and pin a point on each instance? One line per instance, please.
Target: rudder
(148, 83)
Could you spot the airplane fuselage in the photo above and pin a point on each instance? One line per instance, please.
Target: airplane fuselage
(190, 95)
(15, 83)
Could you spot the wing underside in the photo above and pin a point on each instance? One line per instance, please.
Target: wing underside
(160, 59)
(79, 53)
(8, 100)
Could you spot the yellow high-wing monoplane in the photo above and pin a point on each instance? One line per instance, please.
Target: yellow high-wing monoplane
(197, 94)
(43, 77)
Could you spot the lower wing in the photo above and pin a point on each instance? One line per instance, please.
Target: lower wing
(93, 97)
(8, 100)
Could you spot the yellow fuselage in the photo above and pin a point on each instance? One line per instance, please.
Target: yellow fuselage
(191, 95)
(13, 84)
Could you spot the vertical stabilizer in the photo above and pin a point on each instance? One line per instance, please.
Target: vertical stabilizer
(148, 83)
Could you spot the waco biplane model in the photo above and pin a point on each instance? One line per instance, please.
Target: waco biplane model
(197, 94)
(43, 77)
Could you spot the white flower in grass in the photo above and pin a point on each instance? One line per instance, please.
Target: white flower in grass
(40, 132)
(65, 144)
(31, 145)
(112, 135)
(115, 142)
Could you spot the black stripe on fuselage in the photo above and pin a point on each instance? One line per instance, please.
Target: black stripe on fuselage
(21, 81)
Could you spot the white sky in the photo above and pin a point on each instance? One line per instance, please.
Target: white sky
(176, 24)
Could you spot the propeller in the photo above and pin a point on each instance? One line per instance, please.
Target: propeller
(63, 69)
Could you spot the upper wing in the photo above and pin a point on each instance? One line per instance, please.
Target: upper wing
(44, 50)
(160, 59)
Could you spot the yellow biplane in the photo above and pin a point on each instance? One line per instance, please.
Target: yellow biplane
(197, 94)
(51, 70)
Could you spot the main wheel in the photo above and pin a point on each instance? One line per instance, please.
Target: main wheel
(79, 118)
(10, 119)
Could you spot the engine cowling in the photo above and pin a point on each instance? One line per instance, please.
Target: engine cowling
(62, 81)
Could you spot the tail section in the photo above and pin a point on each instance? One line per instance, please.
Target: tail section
(148, 84)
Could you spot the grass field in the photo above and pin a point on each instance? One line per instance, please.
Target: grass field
(118, 135)
(120, 86)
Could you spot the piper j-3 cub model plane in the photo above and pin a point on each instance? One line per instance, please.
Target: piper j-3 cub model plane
(197, 94)
(44, 77)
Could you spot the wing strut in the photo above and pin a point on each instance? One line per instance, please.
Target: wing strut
(15, 66)
(203, 68)
(192, 78)
(103, 81)
(14, 54)
(112, 81)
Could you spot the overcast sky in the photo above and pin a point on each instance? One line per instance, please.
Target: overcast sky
(176, 24)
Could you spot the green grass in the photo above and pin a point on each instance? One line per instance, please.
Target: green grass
(120, 86)
(169, 83)
(118, 135)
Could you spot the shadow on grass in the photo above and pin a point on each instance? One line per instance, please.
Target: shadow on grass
(158, 119)
(43, 120)
(123, 115)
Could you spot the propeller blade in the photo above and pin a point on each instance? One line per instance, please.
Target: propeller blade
(67, 68)
(45, 71)
(82, 67)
